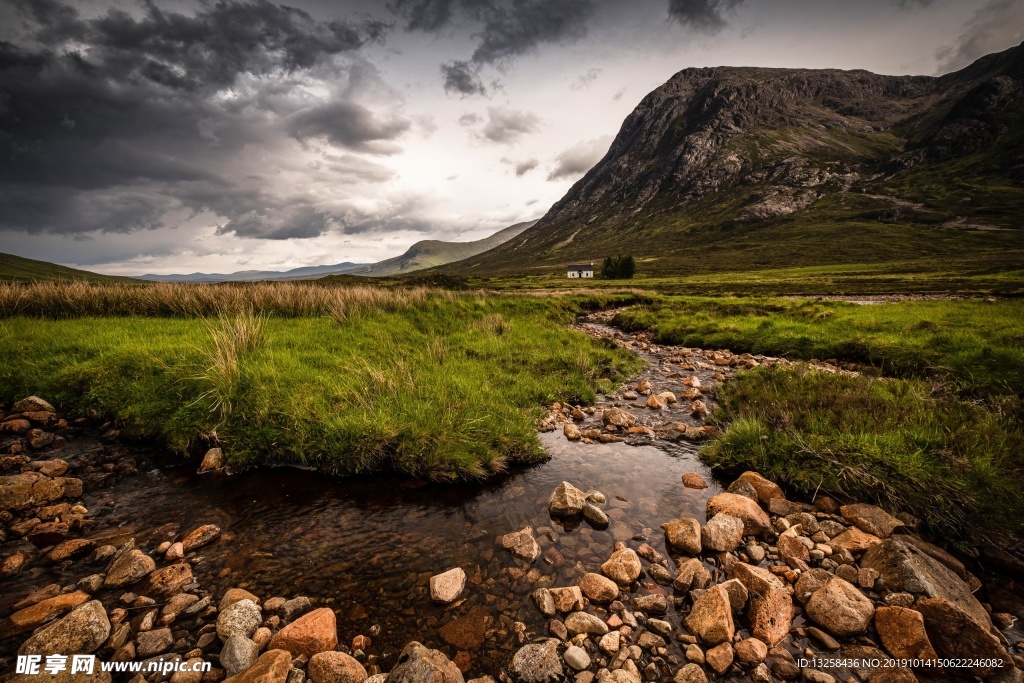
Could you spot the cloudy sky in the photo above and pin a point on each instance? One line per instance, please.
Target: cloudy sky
(166, 136)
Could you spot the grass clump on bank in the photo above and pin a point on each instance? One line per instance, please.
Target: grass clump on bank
(905, 444)
(446, 386)
(942, 437)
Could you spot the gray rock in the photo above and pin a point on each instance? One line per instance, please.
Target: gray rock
(447, 586)
(419, 664)
(576, 657)
(723, 533)
(238, 654)
(150, 643)
(594, 515)
(295, 608)
(240, 618)
(536, 663)
(581, 622)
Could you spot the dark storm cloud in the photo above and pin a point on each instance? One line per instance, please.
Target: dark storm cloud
(586, 79)
(121, 122)
(579, 158)
(503, 29)
(506, 126)
(521, 168)
(992, 28)
(463, 78)
(703, 15)
(350, 125)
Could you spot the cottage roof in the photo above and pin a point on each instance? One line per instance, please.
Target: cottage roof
(580, 266)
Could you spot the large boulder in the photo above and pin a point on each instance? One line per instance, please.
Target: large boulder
(566, 500)
(711, 617)
(272, 667)
(870, 519)
(683, 535)
(80, 632)
(419, 664)
(957, 634)
(447, 586)
(335, 667)
(32, 404)
(241, 618)
(903, 633)
(755, 520)
(238, 654)
(723, 533)
(766, 489)
(599, 588)
(840, 608)
(854, 540)
(905, 567)
(617, 417)
(311, 633)
(32, 489)
(623, 567)
(36, 615)
(536, 663)
(769, 606)
(133, 566)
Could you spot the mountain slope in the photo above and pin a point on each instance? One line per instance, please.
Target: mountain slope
(18, 269)
(430, 253)
(748, 168)
(253, 275)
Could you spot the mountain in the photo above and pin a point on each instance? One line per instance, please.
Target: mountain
(307, 272)
(430, 253)
(732, 169)
(17, 269)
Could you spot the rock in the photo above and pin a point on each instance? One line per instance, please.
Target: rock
(766, 489)
(609, 642)
(870, 519)
(827, 641)
(447, 586)
(690, 673)
(595, 515)
(782, 663)
(840, 608)
(568, 599)
(32, 489)
(651, 604)
(213, 461)
(233, 595)
(742, 488)
(751, 651)
(692, 480)
(719, 658)
(544, 601)
(618, 417)
(769, 607)
(238, 654)
(468, 631)
(576, 657)
(790, 546)
(903, 634)
(36, 615)
(522, 544)
(80, 632)
(47, 533)
(572, 432)
(70, 550)
(683, 535)
(623, 567)
(692, 574)
(566, 500)
(335, 667)
(598, 588)
(723, 533)
(755, 520)
(151, 643)
(596, 497)
(240, 618)
(167, 581)
(309, 634)
(272, 667)
(133, 566)
(197, 538)
(581, 622)
(738, 594)
(906, 567)
(854, 540)
(292, 609)
(14, 563)
(955, 633)
(32, 404)
(536, 663)
(656, 402)
(661, 574)
(419, 664)
(711, 617)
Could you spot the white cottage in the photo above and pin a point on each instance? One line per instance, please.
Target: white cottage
(580, 270)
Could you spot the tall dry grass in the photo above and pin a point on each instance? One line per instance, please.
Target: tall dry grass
(233, 337)
(190, 300)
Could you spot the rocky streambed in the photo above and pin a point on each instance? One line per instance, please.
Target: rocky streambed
(621, 558)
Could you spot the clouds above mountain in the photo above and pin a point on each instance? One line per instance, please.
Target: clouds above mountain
(576, 160)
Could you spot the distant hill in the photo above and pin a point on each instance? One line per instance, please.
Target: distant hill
(431, 253)
(306, 272)
(735, 169)
(17, 269)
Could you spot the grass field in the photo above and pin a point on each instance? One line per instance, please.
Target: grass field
(941, 435)
(424, 383)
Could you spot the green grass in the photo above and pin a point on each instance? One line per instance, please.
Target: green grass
(449, 388)
(942, 437)
(17, 269)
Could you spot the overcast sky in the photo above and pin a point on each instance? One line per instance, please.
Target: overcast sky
(176, 136)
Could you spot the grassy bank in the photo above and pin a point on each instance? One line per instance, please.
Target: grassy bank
(941, 437)
(425, 383)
